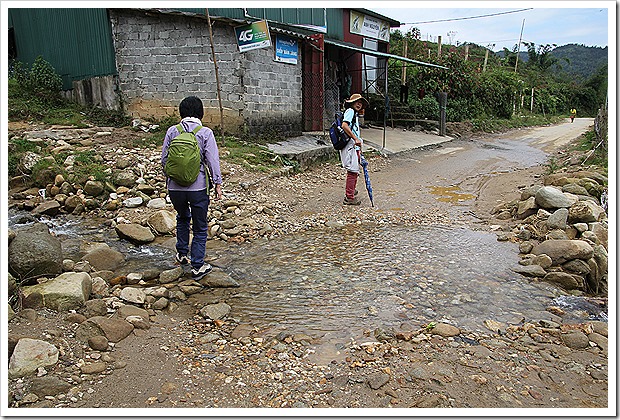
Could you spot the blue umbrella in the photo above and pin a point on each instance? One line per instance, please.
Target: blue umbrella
(364, 163)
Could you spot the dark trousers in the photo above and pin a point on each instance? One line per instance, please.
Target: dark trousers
(191, 205)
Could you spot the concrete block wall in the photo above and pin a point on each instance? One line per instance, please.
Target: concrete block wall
(162, 58)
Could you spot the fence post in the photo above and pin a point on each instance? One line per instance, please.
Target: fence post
(443, 100)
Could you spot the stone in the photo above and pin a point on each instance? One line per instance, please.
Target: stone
(48, 385)
(95, 307)
(138, 322)
(586, 212)
(561, 250)
(104, 258)
(600, 340)
(133, 295)
(377, 380)
(156, 203)
(549, 197)
(543, 260)
(575, 340)
(93, 188)
(133, 202)
(98, 342)
(114, 329)
(29, 355)
(73, 202)
(242, 330)
(125, 178)
(601, 232)
(50, 208)
(168, 276)
(134, 233)
(163, 222)
(558, 219)
(565, 280)
(68, 291)
(532, 270)
(34, 253)
(445, 330)
(160, 304)
(526, 208)
(92, 368)
(218, 278)
(129, 310)
(579, 267)
(216, 311)
(574, 189)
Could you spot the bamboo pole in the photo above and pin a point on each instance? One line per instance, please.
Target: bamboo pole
(217, 75)
(519, 45)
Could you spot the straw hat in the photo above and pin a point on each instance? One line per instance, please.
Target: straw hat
(357, 97)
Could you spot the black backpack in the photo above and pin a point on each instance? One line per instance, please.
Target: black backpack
(336, 133)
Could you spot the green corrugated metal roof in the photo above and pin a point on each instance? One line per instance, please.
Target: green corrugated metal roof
(76, 42)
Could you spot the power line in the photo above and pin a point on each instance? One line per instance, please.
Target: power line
(469, 17)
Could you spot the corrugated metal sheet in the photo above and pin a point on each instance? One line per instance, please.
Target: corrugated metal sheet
(77, 42)
(301, 16)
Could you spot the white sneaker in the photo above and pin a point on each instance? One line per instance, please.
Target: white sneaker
(201, 272)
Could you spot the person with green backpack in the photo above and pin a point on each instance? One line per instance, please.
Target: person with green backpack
(190, 160)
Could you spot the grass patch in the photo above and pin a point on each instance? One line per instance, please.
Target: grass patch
(599, 156)
(249, 155)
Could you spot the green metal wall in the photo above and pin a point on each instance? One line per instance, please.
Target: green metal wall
(301, 16)
(77, 42)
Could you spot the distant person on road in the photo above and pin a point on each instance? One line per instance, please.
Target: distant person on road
(351, 154)
(191, 202)
(573, 114)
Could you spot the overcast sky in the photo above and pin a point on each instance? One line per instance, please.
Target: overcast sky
(543, 22)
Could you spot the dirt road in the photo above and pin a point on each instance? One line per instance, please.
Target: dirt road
(183, 363)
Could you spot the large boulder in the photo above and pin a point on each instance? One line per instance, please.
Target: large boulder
(552, 198)
(29, 355)
(135, 233)
(35, 253)
(563, 250)
(585, 212)
(66, 292)
(163, 222)
(104, 258)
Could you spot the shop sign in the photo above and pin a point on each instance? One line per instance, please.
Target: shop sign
(253, 36)
(287, 49)
(369, 26)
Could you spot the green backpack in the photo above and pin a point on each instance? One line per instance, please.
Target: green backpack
(183, 163)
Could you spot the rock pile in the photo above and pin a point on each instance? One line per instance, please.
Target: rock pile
(562, 230)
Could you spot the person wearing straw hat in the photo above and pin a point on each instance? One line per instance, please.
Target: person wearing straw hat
(350, 154)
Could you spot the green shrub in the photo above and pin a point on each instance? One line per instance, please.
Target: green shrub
(43, 78)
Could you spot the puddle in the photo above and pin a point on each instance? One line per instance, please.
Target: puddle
(450, 194)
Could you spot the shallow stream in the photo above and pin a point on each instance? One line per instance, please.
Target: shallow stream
(337, 283)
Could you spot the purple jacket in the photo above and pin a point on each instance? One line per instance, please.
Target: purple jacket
(208, 148)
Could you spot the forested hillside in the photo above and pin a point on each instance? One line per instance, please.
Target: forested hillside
(580, 61)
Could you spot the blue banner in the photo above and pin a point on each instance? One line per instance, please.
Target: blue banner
(287, 50)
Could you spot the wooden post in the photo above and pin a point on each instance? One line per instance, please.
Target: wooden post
(439, 46)
(443, 100)
(486, 58)
(404, 76)
(217, 76)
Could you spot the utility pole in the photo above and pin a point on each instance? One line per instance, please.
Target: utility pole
(519, 45)
(217, 76)
(439, 46)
